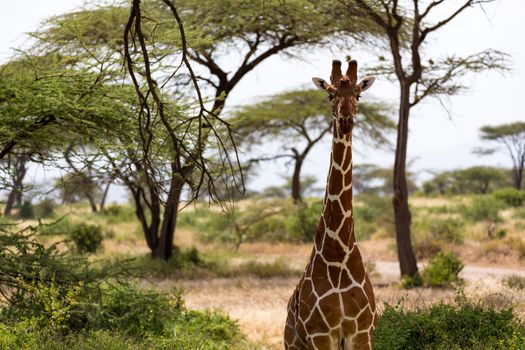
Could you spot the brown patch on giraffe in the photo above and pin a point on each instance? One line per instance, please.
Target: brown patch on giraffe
(306, 297)
(338, 153)
(336, 183)
(347, 161)
(316, 323)
(346, 230)
(345, 278)
(355, 264)
(334, 273)
(365, 319)
(350, 305)
(361, 341)
(332, 250)
(370, 293)
(330, 306)
(333, 215)
(319, 235)
(358, 294)
(321, 342)
(346, 198)
(319, 276)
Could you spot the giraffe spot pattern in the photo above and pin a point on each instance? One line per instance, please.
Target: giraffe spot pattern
(333, 304)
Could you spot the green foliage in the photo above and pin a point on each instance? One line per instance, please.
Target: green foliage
(118, 213)
(409, 282)
(371, 214)
(62, 226)
(465, 326)
(262, 220)
(447, 229)
(87, 238)
(45, 208)
(474, 180)
(58, 302)
(442, 270)
(26, 210)
(516, 282)
(483, 208)
(302, 225)
(510, 196)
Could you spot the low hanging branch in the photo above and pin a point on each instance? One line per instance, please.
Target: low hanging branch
(189, 148)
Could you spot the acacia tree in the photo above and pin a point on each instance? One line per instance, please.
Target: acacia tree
(510, 137)
(44, 104)
(299, 120)
(408, 31)
(227, 39)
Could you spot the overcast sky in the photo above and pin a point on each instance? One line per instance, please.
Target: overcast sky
(437, 142)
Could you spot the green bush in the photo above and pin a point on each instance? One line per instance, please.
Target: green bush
(483, 208)
(448, 229)
(61, 226)
(62, 302)
(26, 210)
(510, 196)
(118, 213)
(87, 238)
(302, 224)
(442, 270)
(515, 282)
(465, 326)
(373, 213)
(45, 208)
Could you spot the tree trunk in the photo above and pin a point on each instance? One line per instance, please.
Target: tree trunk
(9, 204)
(164, 249)
(92, 202)
(407, 259)
(105, 195)
(16, 193)
(517, 173)
(296, 180)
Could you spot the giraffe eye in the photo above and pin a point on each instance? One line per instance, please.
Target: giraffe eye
(331, 97)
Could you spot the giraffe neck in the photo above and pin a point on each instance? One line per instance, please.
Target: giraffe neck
(337, 217)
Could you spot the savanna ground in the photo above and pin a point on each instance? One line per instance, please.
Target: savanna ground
(253, 283)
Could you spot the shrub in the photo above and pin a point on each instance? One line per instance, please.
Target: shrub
(87, 238)
(408, 282)
(26, 210)
(117, 213)
(464, 326)
(510, 196)
(425, 245)
(484, 208)
(45, 208)
(448, 229)
(515, 282)
(518, 245)
(302, 225)
(442, 270)
(61, 226)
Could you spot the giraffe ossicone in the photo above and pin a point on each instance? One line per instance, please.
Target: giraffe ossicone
(333, 306)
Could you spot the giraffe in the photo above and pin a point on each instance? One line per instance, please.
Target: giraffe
(333, 305)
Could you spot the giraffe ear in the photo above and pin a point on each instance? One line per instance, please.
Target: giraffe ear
(320, 83)
(366, 83)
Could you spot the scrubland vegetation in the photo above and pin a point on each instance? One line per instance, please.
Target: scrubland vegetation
(77, 279)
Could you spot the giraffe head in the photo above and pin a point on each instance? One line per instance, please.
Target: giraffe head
(343, 93)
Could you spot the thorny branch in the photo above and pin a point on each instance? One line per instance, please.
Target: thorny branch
(188, 150)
